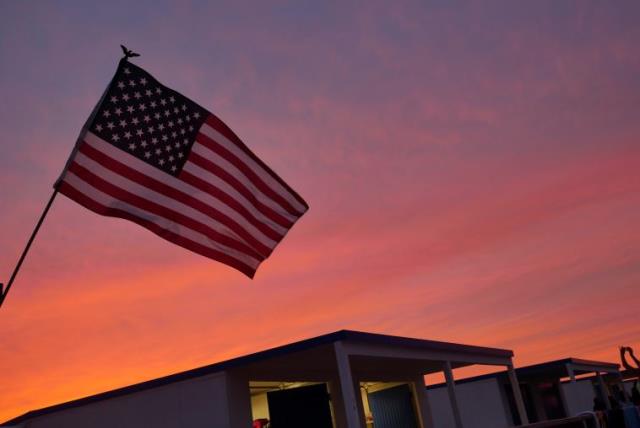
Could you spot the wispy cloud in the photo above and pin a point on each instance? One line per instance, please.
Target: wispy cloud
(471, 170)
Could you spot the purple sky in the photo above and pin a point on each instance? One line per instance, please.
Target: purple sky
(472, 171)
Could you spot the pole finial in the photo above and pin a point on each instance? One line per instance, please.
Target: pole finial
(128, 53)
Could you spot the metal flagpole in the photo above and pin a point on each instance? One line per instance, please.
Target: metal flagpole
(4, 293)
(128, 53)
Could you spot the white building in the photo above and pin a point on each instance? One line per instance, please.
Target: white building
(345, 379)
(551, 390)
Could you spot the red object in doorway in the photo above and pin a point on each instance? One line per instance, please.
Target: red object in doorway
(261, 423)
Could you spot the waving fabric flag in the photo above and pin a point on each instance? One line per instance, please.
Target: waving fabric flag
(152, 156)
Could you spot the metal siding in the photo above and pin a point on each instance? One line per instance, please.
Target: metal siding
(393, 408)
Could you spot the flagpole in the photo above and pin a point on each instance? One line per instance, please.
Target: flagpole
(4, 293)
(128, 53)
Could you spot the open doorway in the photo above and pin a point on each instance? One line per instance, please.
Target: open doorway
(291, 405)
(389, 405)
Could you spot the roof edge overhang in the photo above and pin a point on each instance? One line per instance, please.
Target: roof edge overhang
(341, 335)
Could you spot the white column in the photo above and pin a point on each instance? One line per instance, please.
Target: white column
(517, 394)
(603, 391)
(563, 398)
(453, 398)
(422, 401)
(347, 386)
(572, 375)
(359, 402)
(626, 396)
(565, 401)
(340, 419)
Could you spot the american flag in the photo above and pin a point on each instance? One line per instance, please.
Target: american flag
(152, 156)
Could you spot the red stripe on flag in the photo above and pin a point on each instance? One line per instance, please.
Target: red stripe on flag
(236, 184)
(152, 207)
(214, 191)
(173, 193)
(248, 172)
(213, 121)
(94, 206)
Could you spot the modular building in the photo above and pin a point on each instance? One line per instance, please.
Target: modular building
(552, 390)
(345, 379)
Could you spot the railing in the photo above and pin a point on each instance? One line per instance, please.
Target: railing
(582, 421)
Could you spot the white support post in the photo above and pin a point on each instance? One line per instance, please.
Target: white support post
(603, 391)
(349, 394)
(359, 402)
(453, 398)
(563, 399)
(339, 415)
(422, 400)
(571, 373)
(517, 394)
(626, 396)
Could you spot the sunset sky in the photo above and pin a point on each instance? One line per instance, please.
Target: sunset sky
(472, 171)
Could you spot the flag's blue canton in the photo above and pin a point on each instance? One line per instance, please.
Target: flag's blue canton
(148, 120)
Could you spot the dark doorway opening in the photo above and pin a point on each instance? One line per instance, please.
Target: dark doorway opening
(527, 398)
(305, 406)
(551, 400)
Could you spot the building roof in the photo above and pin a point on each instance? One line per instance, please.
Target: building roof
(630, 374)
(555, 369)
(558, 368)
(342, 335)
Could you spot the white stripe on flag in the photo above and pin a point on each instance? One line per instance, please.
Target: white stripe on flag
(253, 165)
(150, 171)
(216, 181)
(197, 237)
(166, 201)
(213, 157)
